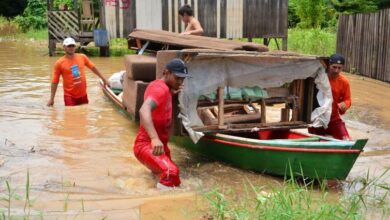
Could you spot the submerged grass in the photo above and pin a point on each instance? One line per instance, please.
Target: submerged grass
(363, 197)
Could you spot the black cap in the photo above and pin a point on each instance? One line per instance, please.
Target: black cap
(336, 59)
(178, 67)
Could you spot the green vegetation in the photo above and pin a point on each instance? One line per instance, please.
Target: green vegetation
(324, 13)
(311, 41)
(34, 16)
(363, 197)
(118, 47)
(10, 195)
(314, 41)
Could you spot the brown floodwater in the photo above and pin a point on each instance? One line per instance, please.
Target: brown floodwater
(80, 159)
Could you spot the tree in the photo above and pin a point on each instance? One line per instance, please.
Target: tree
(11, 8)
(34, 16)
(383, 4)
(310, 12)
(355, 6)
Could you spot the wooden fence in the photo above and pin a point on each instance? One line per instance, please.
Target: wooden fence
(364, 39)
(219, 18)
(63, 24)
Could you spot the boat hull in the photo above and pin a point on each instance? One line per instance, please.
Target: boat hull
(314, 163)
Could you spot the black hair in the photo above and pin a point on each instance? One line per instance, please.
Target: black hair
(185, 9)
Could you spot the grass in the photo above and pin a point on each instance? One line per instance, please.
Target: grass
(294, 200)
(306, 41)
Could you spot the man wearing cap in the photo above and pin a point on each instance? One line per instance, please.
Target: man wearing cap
(71, 67)
(151, 143)
(341, 100)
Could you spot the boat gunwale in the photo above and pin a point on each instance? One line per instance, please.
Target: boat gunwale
(287, 142)
(286, 149)
(107, 90)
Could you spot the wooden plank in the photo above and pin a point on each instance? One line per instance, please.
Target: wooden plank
(223, 18)
(149, 14)
(278, 92)
(284, 114)
(309, 99)
(263, 118)
(208, 22)
(165, 15)
(221, 112)
(248, 127)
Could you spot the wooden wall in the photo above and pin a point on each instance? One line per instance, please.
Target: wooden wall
(364, 39)
(219, 18)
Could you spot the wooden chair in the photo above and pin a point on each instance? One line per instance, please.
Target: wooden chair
(87, 18)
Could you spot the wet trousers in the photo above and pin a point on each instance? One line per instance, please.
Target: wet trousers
(162, 165)
(336, 128)
(72, 101)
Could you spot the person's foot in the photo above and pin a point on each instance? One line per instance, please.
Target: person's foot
(163, 187)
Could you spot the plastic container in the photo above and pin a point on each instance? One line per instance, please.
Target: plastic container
(100, 37)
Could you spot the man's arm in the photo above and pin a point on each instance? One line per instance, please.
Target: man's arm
(147, 122)
(97, 72)
(52, 94)
(346, 103)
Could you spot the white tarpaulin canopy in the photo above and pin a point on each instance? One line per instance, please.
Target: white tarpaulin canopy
(211, 70)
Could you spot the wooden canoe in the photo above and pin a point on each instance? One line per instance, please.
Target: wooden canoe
(280, 153)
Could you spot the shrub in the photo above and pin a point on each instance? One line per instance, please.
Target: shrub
(8, 27)
(34, 16)
(312, 41)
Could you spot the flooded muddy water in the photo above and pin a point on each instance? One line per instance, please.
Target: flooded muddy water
(80, 159)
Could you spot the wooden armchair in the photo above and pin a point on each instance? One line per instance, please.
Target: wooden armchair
(87, 18)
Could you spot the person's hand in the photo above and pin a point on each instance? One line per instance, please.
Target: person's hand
(185, 33)
(106, 83)
(177, 91)
(342, 107)
(50, 103)
(157, 147)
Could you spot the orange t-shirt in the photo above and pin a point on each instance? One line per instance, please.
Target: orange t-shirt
(72, 71)
(341, 93)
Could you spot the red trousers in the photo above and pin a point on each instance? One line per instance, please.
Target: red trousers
(336, 128)
(72, 101)
(162, 165)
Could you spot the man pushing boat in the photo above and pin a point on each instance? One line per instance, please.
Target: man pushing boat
(341, 100)
(151, 143)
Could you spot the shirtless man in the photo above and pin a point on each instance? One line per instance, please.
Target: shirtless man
(193, 25)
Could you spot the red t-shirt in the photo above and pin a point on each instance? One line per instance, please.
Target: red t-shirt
(161, 115)
(72, 71)
(341, 93)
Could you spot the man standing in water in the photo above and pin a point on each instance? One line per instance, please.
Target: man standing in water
(341, 100)
(151, 143)
(71, 67)
(193, 25)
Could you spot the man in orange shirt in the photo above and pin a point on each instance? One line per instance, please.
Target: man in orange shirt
(71, 68)
(341, 100)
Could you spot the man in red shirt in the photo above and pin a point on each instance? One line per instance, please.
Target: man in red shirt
(341, 100)
(151, 143)
(71, 68)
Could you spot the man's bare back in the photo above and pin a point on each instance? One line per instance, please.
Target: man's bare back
(193, 25)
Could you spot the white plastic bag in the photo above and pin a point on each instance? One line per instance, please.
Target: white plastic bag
(116, 80)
